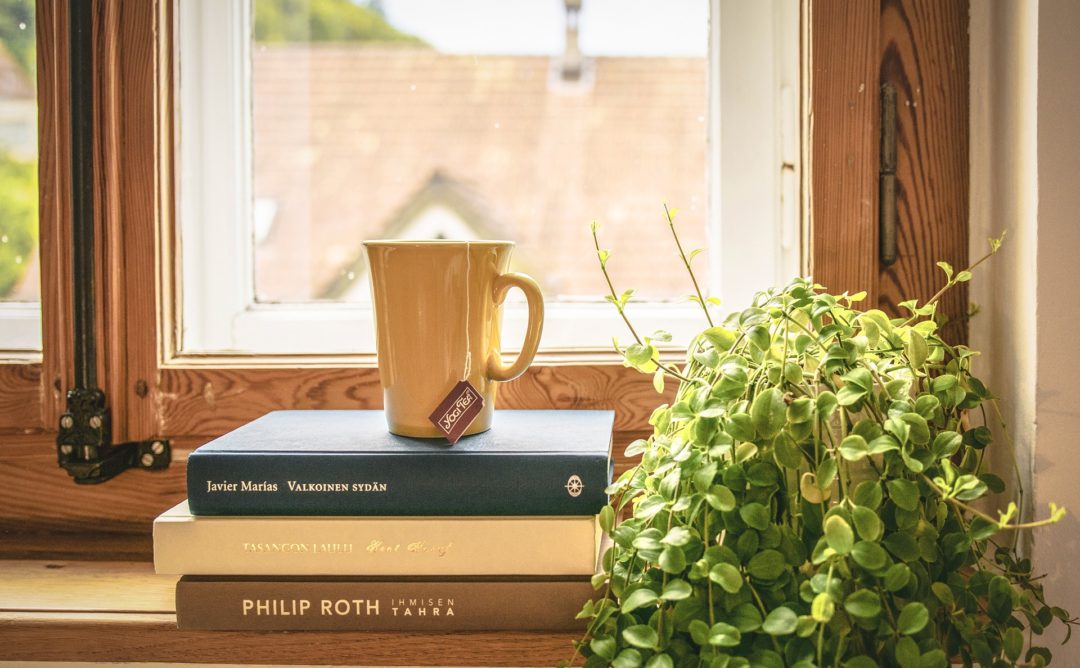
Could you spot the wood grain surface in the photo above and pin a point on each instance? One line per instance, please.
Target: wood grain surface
(54, 210)
(210, 401)
(925, 57)
(122, 611)
(843, 160)
(21, 388)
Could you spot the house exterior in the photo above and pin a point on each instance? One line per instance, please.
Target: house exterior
(364, 140)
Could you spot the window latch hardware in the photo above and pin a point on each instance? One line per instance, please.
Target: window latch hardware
(84, 443)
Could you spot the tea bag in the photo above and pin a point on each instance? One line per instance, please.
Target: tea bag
(464, 403)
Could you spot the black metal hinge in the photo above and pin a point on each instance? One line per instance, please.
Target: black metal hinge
(887, 211)
(84, 443)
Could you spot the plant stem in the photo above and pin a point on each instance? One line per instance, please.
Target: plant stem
(978, 513)
(945, 288)
(611, 287)
(686, 262)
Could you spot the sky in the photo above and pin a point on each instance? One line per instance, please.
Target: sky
(537, 27)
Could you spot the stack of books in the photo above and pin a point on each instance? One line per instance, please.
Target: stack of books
(322, 520)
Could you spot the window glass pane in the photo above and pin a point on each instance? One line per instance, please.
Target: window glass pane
(19, 272)
(471, 119)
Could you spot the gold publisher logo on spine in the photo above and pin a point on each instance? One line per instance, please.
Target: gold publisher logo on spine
(574, 486)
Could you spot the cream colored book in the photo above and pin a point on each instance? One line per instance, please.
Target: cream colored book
(185, 544)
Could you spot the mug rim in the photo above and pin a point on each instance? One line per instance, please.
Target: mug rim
(436, 242)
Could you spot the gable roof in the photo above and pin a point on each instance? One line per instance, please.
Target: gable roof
(439, 190)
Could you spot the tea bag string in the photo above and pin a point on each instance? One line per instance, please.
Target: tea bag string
(468, 305)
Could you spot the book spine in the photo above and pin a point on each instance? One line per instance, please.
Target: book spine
(376, 546)
(396, 484)
(305, 605)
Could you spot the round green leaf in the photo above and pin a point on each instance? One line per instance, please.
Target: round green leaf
(786, 451)
(673, 559)
(907, 653)
(826, 404)
(604, 647)
(863, 603)
(903, 546)
(913, 618)
(723, 635)
(767, 565)
(745, 617)
(935, 658)
(628, 658)
(869, 555)
(755, 515)
(867, 523)
(760, 337)
(727, 576)
(762, 474)
(678, 536)
(721, 498)
(943, 593)
(660, 661)
(780, 622)
(607, 518)
(639, 598)
(868, 494)
(838, 534)
(769, 412)
(823, 608)
(854, 447)
(640, 635)
(916, 349)
(676, 590)
(904, 493)
(919, 430)
(897, 577)
(800, 410)
(1013, 643)
(946, 443)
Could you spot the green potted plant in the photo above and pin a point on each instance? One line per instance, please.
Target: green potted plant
(814, 497)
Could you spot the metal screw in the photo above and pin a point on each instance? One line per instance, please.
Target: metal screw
(67, 422)
(66, 449)
(95, 422)
(147, 459)
(158, 447)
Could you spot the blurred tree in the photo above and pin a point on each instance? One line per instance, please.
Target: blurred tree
(18, 178)
(18, 218)
(17, 32)
(323, 21)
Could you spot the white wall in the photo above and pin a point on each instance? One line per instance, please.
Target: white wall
(1057, 412)
(1025, 165)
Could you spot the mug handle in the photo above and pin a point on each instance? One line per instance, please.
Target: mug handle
(503, 283)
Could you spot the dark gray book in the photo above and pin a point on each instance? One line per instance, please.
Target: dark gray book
(347, 463)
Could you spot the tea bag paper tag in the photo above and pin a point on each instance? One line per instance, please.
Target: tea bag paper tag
(457, 411)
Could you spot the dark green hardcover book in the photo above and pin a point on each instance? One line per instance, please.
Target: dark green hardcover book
(346, 463)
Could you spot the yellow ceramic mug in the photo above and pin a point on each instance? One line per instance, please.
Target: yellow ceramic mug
(438, 315)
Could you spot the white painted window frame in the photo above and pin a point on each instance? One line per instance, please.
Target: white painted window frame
(20, 330)
(753, 187)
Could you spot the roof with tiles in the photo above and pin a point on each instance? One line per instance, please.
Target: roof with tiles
(345, 135)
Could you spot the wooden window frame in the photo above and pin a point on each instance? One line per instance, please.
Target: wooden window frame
(153, 392)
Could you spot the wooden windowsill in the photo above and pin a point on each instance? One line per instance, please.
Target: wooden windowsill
(122, 611)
